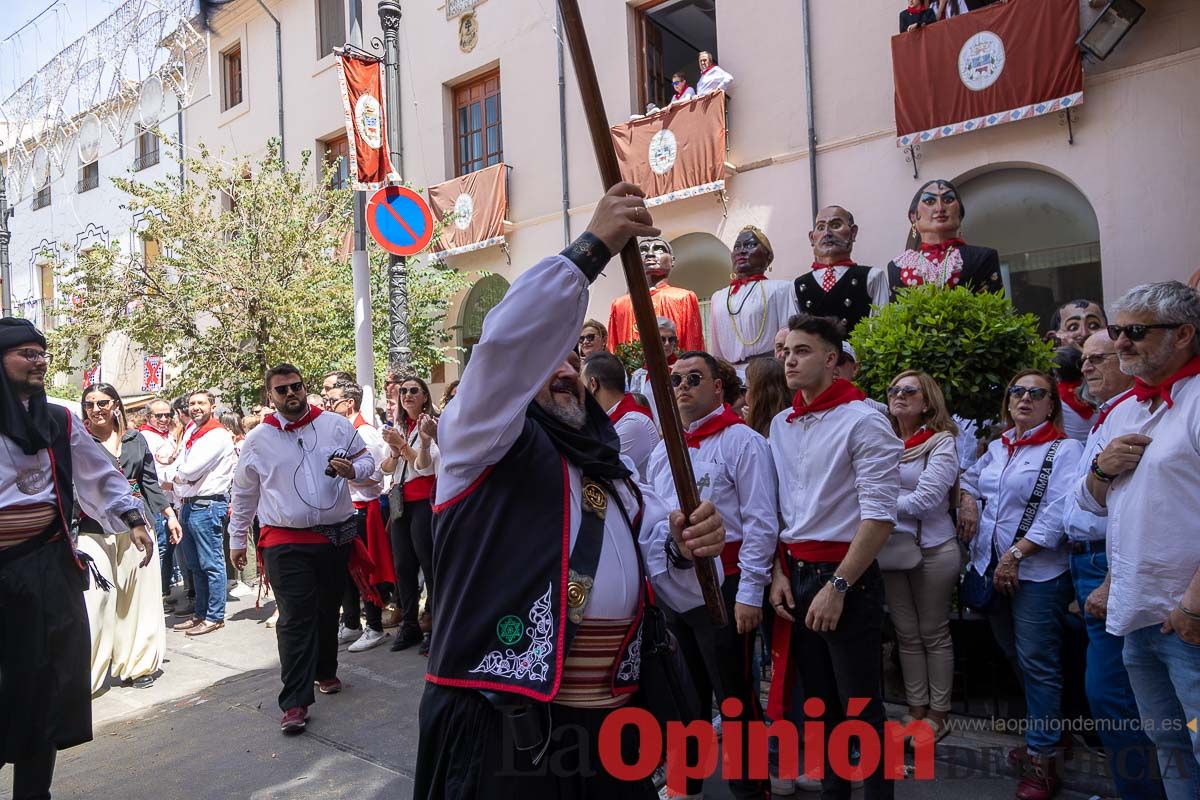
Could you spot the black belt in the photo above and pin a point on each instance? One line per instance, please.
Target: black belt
(209, 497)
(1081, 548)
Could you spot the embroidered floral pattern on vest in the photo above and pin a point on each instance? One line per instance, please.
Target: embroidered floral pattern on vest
(532, 664)
(630, 668)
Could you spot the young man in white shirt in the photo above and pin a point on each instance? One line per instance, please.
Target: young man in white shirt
(1143, 479)
(732, 466)
(294, 473)
(604, 377)
(203, 471)
(345, 398)
(157, 433)
(838, 466)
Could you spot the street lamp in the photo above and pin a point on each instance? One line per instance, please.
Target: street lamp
(399, 353)
(1110, 27)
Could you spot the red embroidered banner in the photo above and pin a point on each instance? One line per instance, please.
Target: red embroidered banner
(477, 203)
(365, 102)
(1006, 62)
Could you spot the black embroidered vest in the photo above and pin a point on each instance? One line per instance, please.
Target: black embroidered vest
(848, 300)
(500, 555)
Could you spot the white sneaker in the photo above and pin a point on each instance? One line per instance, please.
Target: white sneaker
(347, 635)
(783, 787)
(243, 590)
(370, 638)
(807, 784)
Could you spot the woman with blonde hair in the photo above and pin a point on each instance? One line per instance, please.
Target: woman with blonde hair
(921, 560)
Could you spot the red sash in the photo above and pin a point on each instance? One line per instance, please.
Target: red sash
(1068, 392)
(379, 546)
(361, 566)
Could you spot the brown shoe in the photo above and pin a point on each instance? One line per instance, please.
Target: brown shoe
(205, 627)
(1041, 781)
(187, 624)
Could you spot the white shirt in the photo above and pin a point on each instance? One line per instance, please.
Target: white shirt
(639, 436)
(371, 487)
(525, 339)
(1081, 525)
(160, 443)
(968, 442)
(877, 284)
(1076, 426)
(688, 94)
(100, 488)
(713, 79)
(1007, 484)
(734, 472)
(744, 333)
(925, 485)
(836, 468)
(405, 471)
(281, 476)
(205, 468)
(1153, 547)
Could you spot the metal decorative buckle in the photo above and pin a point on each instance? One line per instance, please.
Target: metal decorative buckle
(595, 499)
(579, 589)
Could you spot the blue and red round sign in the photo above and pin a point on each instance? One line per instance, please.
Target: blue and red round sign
(400, 220)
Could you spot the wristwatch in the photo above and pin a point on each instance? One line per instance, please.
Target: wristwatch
(1016, 553)
(840, 584)
(133, 518)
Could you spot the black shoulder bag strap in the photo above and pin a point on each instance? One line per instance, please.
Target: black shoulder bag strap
(1039, 492)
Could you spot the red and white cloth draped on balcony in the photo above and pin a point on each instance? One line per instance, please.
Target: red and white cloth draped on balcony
(477, 204)
(677, 152)
(1007, 62)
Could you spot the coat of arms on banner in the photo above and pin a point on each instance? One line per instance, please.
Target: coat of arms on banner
(663, 151)
(152, 373)
(981, 60)
(464, 211)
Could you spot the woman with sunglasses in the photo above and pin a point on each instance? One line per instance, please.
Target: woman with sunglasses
(918, 596)
(412, 462)
(126, 620)
(1025, 479)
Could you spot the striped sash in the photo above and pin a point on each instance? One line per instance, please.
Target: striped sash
(589, 666)
(22, 523)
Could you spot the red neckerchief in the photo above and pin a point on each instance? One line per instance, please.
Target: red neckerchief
(845, 262)
(1143, 391)
(727, 418)
(273, 420)
(679, 94)
(359, 421)
(919, 438)
(146, 426)
(710, 69)
(738, 283)
(1108, 409)
(839, 392)
(1068, 392)
(628, 406)
(211, 425)
(937, 252)
(1046, 433)
(409, 424)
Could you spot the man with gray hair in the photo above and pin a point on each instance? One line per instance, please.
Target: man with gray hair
(639, 381)
(1143, 478)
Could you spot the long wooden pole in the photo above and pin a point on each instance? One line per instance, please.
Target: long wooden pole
(643, 308)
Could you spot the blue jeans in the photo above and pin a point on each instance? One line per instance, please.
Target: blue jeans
(1164, 672)
(203, 548)
(166, 554)
(1109, 693)
(1029, 629)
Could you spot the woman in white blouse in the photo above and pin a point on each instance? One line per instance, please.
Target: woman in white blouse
(919, 598)
(1032, 586)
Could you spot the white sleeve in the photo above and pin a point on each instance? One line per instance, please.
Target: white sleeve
(677, 588)
(969, 482)
(875, 451)
(101, 489)
(714, 331)
(757, 492)
(245, 491)
(204, 456)
(525, 338)
(878, 288)
(378, 450)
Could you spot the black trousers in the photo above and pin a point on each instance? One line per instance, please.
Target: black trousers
(466, 752)
(350, 597)
(32, 776)
(719, 660)
(412, 550)
(842, 664)
(308, 580)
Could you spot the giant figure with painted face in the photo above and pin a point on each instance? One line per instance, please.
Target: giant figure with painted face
(837, 286)
(681, 306)
(936, 252)
(746, 315)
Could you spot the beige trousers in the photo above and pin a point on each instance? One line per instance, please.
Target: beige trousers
(129, 635)
(919, 602)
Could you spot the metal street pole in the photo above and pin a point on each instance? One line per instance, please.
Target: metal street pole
(5, 272)
(360, 270)
(399, 354)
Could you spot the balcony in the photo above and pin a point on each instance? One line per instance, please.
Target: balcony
(87, 181)
(145, 160)
(42, 198)
(476, 208)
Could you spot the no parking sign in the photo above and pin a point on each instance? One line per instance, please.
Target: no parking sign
(399, 220)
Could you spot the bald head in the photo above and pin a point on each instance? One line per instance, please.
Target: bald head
(833, 234)
(1102, 376)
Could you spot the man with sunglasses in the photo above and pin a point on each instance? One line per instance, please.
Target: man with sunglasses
(157, 433)
(48, 463)
(1143, 478)
(639, 381)
(681, 306)
(203, 471)
(733, 470)
(294, 474)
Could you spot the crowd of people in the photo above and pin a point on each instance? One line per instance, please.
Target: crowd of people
(541, 485)
(919, 13)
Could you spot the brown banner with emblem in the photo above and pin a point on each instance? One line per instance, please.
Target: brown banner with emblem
(477, 203)
(676, 152)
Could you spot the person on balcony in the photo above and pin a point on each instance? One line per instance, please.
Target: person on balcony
(681, 306)
(936, 252)
(917, 14)
(747, 314)
(679, 85)
(837, 287)
(712, 77)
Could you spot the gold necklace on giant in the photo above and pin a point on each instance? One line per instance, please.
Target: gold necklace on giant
(733, 315)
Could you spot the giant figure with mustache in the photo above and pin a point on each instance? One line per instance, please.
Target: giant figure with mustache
(837, 287)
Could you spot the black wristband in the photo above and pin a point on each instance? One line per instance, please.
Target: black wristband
(589, 254)
(133, 519)
(1100, 474)
(675, 557)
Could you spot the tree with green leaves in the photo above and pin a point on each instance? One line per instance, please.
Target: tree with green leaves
(249, 269)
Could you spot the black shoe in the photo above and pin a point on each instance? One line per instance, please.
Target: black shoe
(406, 638)
(423, 650)
(144, 682)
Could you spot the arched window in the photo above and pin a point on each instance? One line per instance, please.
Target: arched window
(482, 298)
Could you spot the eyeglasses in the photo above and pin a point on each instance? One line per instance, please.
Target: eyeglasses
(1138, 332)
(288, 388)
(587, 338)
(1097, 359)
(34, 356)
(411, 390)
(693, 379)
(333, 402)
(676, 82)
(907, 391)
(666, 340)
(1035, 393)
(103, 405)
(164, 415)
